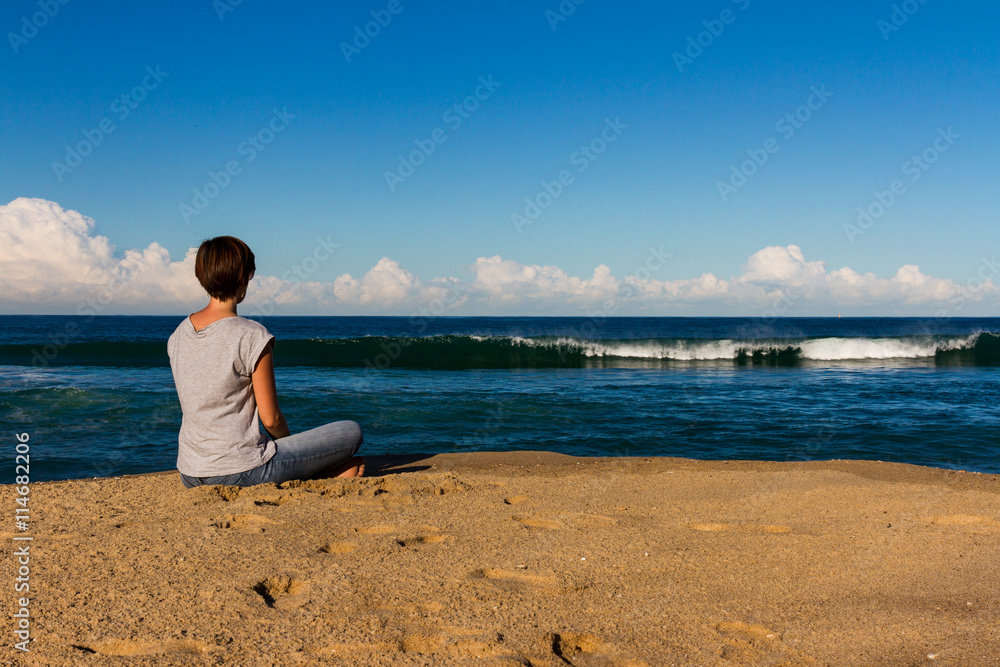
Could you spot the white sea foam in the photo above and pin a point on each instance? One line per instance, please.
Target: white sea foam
(837, 349)
(819, 349)
(677, 350)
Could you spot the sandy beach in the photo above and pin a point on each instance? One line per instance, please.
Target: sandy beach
(521, 559)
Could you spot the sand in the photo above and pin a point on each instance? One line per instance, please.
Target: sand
(519, 559)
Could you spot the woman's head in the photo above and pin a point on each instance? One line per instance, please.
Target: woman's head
(224, 265)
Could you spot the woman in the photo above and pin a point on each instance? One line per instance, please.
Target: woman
(223, 370)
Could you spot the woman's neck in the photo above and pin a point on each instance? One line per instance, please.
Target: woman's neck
(221, 308)
(213, 312)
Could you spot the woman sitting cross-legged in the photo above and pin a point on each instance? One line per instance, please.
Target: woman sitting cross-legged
(223, 367)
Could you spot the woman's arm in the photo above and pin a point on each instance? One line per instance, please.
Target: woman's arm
(266, 394)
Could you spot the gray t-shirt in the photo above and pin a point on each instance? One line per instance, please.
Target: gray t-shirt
(212, 367)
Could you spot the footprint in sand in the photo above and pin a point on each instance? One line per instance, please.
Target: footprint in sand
(282, 591)
(543, 578)
(376, 530)
(338, 547)
(739, 528)
(422, 539)
(568, 645)
(402, 487)
(247, 523)
(273, 500)
(537, 522)
(134, 647)
(747, 644)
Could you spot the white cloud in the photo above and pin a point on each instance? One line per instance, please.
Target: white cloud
(778, 265)
(385, 284)
(508, 282)
(51, 262)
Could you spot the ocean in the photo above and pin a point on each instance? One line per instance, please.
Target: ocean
(97, 398)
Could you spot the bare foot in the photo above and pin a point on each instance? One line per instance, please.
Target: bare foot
(352, 467)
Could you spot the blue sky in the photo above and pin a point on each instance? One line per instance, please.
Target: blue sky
(225, 74)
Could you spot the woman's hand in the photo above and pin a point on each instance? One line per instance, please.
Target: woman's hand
(266, 394)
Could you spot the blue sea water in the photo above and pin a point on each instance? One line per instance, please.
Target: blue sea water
(97, 397)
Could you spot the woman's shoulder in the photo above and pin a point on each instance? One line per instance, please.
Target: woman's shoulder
(250, 326)
(180, 330)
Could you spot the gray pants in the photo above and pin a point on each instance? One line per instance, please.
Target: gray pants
(297, 456)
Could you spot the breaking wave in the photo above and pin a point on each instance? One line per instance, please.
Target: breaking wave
(453, 352)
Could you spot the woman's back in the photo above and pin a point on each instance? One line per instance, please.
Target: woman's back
(212, 368)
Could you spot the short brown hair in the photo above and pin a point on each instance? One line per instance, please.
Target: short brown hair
(222, 265)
